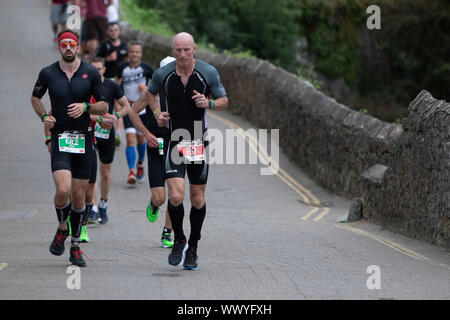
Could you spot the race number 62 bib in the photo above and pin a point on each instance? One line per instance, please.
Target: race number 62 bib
(71, 142)
(100, 132)
(192, 150)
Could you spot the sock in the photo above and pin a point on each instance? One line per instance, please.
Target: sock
(94, 208)
(63, 212)
(176, 217)
(103, 203)
(85, 217)
(166, 230)
(154, 208)
(75, 219)
(141, 152)
(196, 217)
(130, 152)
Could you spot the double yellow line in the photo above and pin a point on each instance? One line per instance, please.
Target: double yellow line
(306, 194)
(393, 245)
(311, 200)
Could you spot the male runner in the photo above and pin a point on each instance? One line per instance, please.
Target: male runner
(71, 83)
(104, 134)
(134, 77)
(113, 50)
(155, 159)
(188, 84)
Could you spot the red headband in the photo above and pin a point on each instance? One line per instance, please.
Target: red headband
(68, 35)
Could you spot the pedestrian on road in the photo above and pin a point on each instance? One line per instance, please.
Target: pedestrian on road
(191, 86)
(96, 23)
(113, 50)
(157, 138)
(134, 76)
(58, 16)
(71, 83)
(105, 136)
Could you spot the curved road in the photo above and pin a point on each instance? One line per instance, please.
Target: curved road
(264, 237)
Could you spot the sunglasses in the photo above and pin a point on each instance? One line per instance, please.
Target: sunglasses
(65, 44)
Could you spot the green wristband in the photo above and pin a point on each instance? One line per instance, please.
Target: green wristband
(44, 117)
(211, 104)
(117, 115)
(99, 119)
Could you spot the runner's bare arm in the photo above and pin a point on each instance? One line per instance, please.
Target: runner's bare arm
(220, 104)
(141, 103)
(201, 101)
(75, 110)
(125, 107)
(137, 122)
(38, 106)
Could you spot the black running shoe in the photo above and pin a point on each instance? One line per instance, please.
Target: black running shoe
(176, 257)
(76, 257)
(57, 246)
(191, 259)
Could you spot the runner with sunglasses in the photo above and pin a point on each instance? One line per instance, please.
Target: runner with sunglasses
(70, 83)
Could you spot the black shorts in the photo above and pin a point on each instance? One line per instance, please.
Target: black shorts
(107, 147)
(93, 175)
(128, 125)
(177, 167)
(78, 164)
(156, 170)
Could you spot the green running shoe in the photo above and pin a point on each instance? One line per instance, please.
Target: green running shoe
(166, 240)
(84, 235)
(152, 213)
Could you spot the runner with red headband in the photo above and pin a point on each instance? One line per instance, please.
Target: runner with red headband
(71, 83)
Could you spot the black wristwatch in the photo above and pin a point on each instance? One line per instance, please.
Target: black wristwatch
(87, 107)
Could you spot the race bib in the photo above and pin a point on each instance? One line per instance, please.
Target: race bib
(100, 132)
(71, 142)
(192, 150)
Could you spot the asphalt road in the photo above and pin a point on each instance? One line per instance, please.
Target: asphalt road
(264, 237)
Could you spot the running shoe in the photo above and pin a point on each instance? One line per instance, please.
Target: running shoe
(152, 213)
(103, 216)
(176, 257)
(93, 216)
(84, 235)
(131, 178)
(140, 172)
(76, 256)
(57, 245)
(191, 259)
(166, 240)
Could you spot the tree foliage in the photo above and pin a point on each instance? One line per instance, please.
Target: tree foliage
(411, 52)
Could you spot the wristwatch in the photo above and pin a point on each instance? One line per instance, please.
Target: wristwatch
(87, 107)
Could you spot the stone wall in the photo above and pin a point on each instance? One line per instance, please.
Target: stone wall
(332, 143)
(412, 194)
